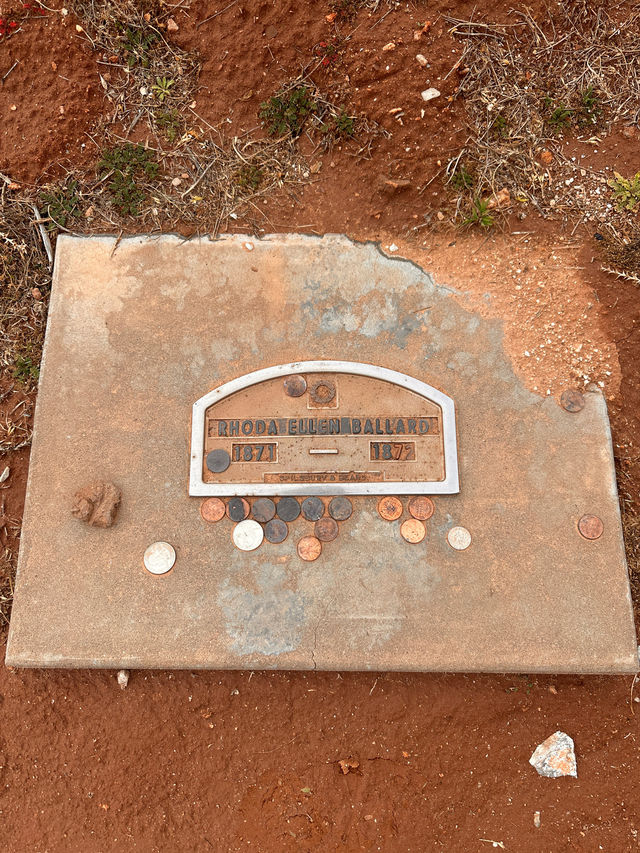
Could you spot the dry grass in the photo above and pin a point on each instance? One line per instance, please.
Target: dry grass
(143, 74)
(527, 83)
(25, 278)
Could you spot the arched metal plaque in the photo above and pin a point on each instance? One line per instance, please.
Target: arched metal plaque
(324, 428)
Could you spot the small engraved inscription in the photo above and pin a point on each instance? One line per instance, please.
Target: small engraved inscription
(254, 453)
(325, 477)
(392, 451)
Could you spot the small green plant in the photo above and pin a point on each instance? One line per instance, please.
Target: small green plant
(590, 108)
(461, 178)
(162, 88)
(288, 111)
(559, 115)
(343, 125)
(249, 176)
(25, 371)
(626, 191)
(170, 123)
(479, 214)
(128, 166)
(62, 205)
(136, 44)
(500, 127)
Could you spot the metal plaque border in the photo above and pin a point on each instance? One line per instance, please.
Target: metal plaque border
(449, 486)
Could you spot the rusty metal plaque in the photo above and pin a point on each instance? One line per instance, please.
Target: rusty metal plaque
(324, 427)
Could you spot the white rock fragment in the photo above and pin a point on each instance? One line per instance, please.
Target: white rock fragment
(422, 59)
(393, 248)
(536, 820)
(430, 94)
(5, 474)
(123, 678)
(555, 757)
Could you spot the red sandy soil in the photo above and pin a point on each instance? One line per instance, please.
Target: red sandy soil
(233, 761)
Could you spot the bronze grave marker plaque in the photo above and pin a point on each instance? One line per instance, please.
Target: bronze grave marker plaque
(324, 427)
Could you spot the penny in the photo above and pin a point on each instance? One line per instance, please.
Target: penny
(247, 535)
(263, 509)
(459, 538)
(591, 527)
(218, 461)
(295, 386)
(288, 509)
(309, 548)
(390, 508)
(340, 508)
(159, 558)
(312, 508)
(421, 507)
(238, 509)
(212, 509)
(276, 531)
(412, 530)
(572, 401)
(326, 529)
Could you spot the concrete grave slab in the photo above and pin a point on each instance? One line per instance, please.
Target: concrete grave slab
(140, 329)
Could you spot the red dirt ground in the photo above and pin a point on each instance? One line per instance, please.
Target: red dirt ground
(234, 761)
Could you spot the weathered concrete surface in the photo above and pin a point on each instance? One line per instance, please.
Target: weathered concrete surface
(139, 331)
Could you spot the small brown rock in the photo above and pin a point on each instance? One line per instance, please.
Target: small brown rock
(172, 27)
(546, 157)
(37, 294)
(397, 184)
(97, 504)
(390, 46)
(501, 199)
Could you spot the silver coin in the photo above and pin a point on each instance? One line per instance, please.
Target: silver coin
(159, 558)
(459, 538)
(248, 535)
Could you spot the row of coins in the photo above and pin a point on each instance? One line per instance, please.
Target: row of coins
(269, 520)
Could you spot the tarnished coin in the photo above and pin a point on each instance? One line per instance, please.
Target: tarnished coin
(276, 531)
(313, 508)
(159, 558)
(212, 509)
(309, 548)
(459, 538)
(572, 401)
(421, 507)
(288, 509)
(340, 508)
(263, 509)
(326, 529)
(412, 530)
(591, 527)
(323, 391)
(247, 535)
(238, 509)
(295, 386)
(218, 461)
(390, 508)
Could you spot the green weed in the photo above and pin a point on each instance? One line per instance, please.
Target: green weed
(170, 124)
(25, 371)
(162, 88)
(287, 112)
(62, 205)
(626, 191)
(461, 179)
(249, 177)
(129, 167)
(136, 45)
(479, 214)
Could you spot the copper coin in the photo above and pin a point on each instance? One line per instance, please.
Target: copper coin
(263, 509)
(276, 531)
(390, 508)
(288, 509)
(309, 548)
(295, 386)
(326, 529)
(572, 401)
(340, 508)
(313, 508)
(591, 527)
(212, 509)
(238, 509)
(412, 530)
(421, 507)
